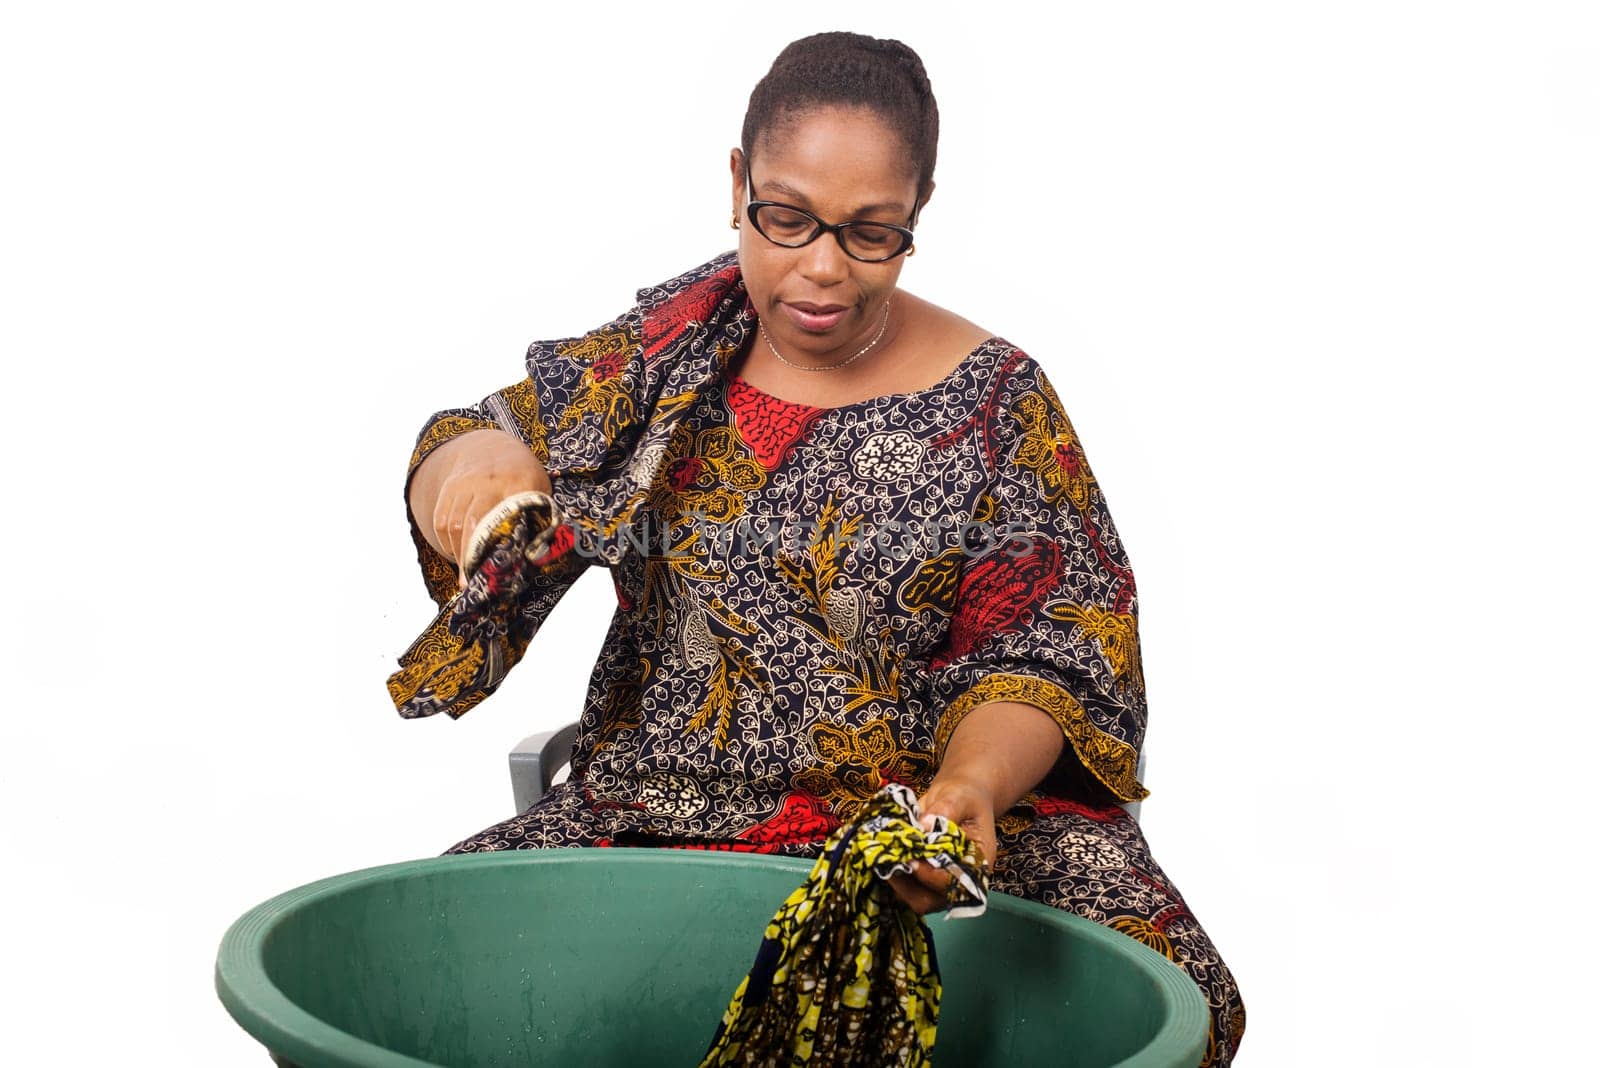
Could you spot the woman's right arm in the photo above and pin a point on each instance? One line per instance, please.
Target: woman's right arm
(460, 470)
(462, 479)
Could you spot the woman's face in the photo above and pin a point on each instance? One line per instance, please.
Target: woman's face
(842, 165)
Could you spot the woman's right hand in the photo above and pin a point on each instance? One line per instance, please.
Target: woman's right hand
(463, 479)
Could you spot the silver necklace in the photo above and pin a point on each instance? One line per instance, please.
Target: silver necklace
(830, 366)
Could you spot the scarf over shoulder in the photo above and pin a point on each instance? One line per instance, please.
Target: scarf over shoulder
(598, 411)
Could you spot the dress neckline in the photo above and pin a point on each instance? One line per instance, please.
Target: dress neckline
(956, 372)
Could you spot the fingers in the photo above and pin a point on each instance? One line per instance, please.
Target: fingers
(927, 889)
(972, 814)
(446, 524)
(479, 477)
(483, 468)
(469, 522)
(930, 877)
(918, 895)
(456, 518)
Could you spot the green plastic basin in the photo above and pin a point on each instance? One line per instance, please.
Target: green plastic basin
(629, 956)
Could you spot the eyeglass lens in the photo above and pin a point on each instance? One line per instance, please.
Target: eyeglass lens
(790, 228)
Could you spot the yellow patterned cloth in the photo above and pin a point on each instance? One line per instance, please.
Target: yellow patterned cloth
(846, 973)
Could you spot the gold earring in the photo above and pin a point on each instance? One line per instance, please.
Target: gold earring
(912, 251)
(734, 221)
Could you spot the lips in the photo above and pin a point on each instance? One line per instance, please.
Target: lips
(814, 317)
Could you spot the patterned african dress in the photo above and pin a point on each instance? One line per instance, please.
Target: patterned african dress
(809, 601)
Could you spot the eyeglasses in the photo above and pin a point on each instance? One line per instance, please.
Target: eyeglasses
(792, 227)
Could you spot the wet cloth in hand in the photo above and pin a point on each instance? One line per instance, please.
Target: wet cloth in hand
(846, 973)
(518, 541)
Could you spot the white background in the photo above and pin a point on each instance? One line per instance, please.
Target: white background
(1317, 284)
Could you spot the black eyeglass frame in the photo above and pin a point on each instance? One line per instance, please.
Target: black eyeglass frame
(908, 236)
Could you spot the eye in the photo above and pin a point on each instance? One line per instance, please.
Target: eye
(872, 241)
(784, 220)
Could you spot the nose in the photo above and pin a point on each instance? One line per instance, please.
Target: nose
(823, 262)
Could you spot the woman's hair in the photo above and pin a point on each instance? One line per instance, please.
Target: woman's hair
(849, 70)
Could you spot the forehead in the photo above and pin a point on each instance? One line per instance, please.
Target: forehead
(835, 161)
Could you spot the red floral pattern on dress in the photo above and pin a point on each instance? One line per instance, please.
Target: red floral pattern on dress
(1000, 592)
(769, 425)
(672, 318)
(683, 473)
(1055, 806)
(804, 817)
(564, 539)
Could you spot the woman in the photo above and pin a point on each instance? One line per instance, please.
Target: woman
(853, 538)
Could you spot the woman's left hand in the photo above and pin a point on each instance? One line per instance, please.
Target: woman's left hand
(963, 803)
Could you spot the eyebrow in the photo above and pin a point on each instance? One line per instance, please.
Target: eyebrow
(789, 191)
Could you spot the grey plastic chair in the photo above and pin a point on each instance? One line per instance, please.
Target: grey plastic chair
(535, 761)
(538, 757)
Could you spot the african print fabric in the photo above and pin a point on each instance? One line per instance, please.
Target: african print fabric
(809, 602)
(846, 973)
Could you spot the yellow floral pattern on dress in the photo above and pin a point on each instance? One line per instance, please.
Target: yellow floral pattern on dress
(442, 431)
(815, 576)
(736, 676)
(522, 399)
(442, 663)
(1116, 632)
(1142, 929)
(1050, 449)
(708, 479)
(856, 762)
(603, 395)
(621, 711)
(872, 672)
(934, 585)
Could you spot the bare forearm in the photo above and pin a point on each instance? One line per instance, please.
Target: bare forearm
(1005, 748)
(997, 753)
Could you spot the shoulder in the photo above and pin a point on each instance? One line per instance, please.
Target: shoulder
(1022, 421)
(939, 327)
(1020, 379)
(1014, 375)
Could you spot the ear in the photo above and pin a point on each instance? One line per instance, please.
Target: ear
(736, 167)
(922, 204)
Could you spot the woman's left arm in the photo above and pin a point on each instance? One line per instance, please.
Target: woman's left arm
(1039, 673)
(999, 752)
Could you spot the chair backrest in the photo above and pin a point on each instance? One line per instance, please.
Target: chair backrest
(535, 761)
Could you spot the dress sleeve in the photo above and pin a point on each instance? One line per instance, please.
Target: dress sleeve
(480, 634)
(1046, 610)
